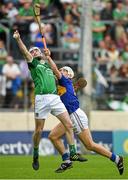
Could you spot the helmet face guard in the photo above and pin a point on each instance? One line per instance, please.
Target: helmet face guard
(69, 70)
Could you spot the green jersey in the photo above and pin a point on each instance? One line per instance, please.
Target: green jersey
(43, 77)
(98, 36)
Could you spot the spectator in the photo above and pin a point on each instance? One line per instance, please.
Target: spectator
(114, 57)
(47, 8)
(49, 35)
(11, 12)
(113, 74)
(71, 37)
(106, 13)
(65, 9)
(125, 54)
(98, 6)
(2, 11)
(34, 29)
(75, 10)
(2, 89)
(26, 12)
(115, 66)
(70, 32)
(68, 20)
(119, 35)
(2, 16)
(113, 52)
(119, 13)
(12, 73)
(98, 29)
(102, 57)
(3, 55)
(124, 71)
(26, 16)
(102, 53)
(108, 40)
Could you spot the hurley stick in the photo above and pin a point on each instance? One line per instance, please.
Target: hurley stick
(36, 8)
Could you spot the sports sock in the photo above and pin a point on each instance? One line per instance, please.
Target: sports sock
(35, 151)
(115, 158)
(66, 158)
(72, 149)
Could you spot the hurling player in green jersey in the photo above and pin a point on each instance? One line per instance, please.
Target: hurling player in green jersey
(46, 100)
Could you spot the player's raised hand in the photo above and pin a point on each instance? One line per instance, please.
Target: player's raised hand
(47, 52)
(16, 35)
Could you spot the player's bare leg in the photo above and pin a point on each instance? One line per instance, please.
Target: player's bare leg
(55, 136)
(86, 138)
(65, 119)
(39, 124)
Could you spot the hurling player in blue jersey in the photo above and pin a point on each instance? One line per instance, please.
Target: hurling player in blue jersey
(78, 117)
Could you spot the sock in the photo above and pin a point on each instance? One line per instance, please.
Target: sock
(115, 158)
(35, 151)
(72, 149)
(66, 158)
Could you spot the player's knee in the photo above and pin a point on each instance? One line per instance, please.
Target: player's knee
(90, 145)
(52, 137)
(69, 125)
(38, 131)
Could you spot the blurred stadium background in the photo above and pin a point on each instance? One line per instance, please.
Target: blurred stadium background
(91, 36)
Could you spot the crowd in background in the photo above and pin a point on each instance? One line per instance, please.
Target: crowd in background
(62, 29)
(110, 38)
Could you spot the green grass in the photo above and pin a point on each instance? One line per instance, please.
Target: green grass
(97, 167)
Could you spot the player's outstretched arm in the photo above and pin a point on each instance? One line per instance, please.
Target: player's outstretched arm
(52, 64)
(22, 46)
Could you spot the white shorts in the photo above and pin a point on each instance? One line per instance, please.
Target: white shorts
(48, 103)
(79, 120)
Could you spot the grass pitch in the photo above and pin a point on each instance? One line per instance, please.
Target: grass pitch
(97, 167)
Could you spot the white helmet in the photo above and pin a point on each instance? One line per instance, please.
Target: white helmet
(69, 70)
(33, 48)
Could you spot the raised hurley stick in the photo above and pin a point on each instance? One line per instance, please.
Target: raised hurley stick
(36, 9)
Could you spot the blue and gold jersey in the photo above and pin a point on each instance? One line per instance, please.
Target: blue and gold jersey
(67, 94)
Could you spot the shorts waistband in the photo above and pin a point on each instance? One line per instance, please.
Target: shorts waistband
(46, 95)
